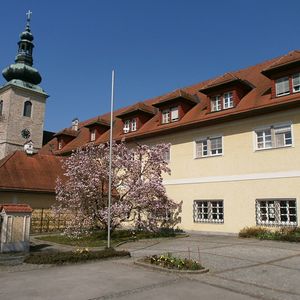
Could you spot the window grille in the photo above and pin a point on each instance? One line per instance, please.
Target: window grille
(209, 211)
(276, 212)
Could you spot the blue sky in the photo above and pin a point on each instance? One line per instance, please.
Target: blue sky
(155, 46)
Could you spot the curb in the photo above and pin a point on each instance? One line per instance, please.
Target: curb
(158, 268)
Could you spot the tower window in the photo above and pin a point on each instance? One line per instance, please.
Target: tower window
(27, 109)
(1, 107)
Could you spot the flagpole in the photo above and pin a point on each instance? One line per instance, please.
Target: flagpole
(110, 155)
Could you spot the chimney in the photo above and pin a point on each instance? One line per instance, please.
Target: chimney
(75, 123)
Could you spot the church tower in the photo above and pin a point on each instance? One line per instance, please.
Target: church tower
(22, 100)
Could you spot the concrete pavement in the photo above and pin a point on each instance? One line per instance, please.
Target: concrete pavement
(239, 269)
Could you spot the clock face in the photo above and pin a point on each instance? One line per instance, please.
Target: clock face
(25, 133)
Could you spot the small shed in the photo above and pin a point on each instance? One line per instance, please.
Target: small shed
(14, 227)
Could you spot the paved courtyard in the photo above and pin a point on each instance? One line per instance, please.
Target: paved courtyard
(239, 269)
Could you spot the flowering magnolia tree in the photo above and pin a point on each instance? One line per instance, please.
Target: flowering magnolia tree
(138, 195)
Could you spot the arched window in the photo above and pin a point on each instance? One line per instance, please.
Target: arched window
(1, 107)
(27, 109)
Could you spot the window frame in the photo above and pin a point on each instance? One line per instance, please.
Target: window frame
(1, 107)
(277, 208)
(209, 149)
(216, 103)
(274, 141)
(24, 107)
(277, 81)
(133, 124)
(93, 135)
(210, 207)
(293, 85)
(230, 99)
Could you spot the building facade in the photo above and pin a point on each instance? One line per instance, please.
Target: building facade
(235, 152)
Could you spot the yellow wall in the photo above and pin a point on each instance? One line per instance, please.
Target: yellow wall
(272, 173)
(35, 200)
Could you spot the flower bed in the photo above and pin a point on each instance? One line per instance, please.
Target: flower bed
(171, 263)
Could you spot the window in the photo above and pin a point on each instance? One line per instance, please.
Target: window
(228, 100)
(274, 137)
(276, 212)
(282, 86)
(59, 145)
(209, 211)
(126, 126)
(166, 116)
(93, 135)
(296, 83)
(27, 109)
(1, 107)
(216, 103)
(170, 115)
(133, 125)
(130, 125)
(210, 146)
(174, 114)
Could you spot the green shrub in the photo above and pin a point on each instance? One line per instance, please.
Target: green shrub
(249, 232)
(290, 234)
(72, 257)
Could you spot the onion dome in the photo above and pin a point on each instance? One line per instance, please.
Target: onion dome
(22, 69)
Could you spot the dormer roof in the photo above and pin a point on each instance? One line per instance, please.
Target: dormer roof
(99, 121)
(67, 132)
(290, 60)
(223, 81)
(177, 94)
(136, 108)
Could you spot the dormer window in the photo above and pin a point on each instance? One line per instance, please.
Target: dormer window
(133, 124)
(216, 103)
(130, 125)
(282, 86)
(170, 115)
(223, 101)
(296, 83)
(93, 135)
(228, 100)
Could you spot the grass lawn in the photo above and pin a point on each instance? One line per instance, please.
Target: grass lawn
(99, 239)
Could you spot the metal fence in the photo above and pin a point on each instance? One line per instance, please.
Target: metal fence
(44, 220)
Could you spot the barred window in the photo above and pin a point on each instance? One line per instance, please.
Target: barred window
(274, 137)
(276, 212)
(209, 146)
(209, 211)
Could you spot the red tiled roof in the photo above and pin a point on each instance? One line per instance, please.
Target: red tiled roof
(38, 173)
(291, 57)
(15, 208)
(97, 121)
(140, 106)
(257, 100)
(179, 93)
(68, 132)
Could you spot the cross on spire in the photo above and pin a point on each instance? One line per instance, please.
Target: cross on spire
(28, 14)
